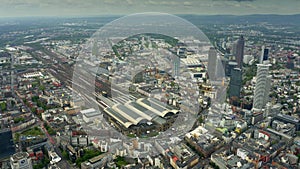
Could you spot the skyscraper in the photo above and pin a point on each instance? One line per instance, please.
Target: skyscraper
(240, 51)
(264, 54)
(290, 62)
(176, 66)
(229, 67)
(235, 83)
(268, 87)
(262, 86)
(212, 63)
(6, 143)
(234, 48)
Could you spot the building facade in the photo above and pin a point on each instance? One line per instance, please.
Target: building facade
(240, 51)
(262, 86)
(176, 66)
(6, 143)
(264, 54)
(235, 83)
(212, 63)
(21, 160)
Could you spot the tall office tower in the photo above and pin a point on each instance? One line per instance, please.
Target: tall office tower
(235, 83)
(240, 51)
(262, 86)
(20, 160)
(264, 54)
(224, 62)
(234, 48)
(176, 66)
(212, 63)
(290, 63)
(220, 70)
(268, 88)
(229, 67)
(6, 143)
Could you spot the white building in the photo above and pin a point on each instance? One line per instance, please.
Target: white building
(89, 115)
(262, 86)
(21, 160)
(33, 75)
(248, 58)
(54, 157)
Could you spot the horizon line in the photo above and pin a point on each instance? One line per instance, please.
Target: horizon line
(119, 15)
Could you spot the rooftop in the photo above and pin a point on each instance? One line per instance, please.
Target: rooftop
(142, 110)
(97, 158)
(19, 156)
(287, 117)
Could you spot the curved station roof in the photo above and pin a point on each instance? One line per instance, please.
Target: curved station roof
(141, 111)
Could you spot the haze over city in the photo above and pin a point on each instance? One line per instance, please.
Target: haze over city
(59, 8)
(149, 84)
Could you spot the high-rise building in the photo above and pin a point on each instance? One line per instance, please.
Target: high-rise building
(212, 63)
(20, 160)
(176, 66)
(224, 62)
(268, 88)
(229, 67)
(235, 83)
(229, 57)
(290, 62)
(240, 51)
(234, 48)
(262, 86)
(264, 54)
(220, 70)
(6, 143)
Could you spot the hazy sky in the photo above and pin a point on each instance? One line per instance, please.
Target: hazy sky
(10, 8)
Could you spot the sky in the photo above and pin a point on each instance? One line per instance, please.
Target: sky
(19, 8)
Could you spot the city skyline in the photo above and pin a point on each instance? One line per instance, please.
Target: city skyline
(27, 8)
(149, 84)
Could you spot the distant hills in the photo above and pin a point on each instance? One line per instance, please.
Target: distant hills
(236, 19)
(195, 19)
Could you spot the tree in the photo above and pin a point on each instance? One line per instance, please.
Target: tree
(120, 161)
(201, 120)
(50, 130)
(88, 154)
(214, 165)
(42, 87)
(33, 110)
(18, 119)
(65, 154)
(3, 106)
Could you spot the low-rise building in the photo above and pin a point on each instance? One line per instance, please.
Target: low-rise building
(21, 160)
(96, 162)
(182, 157)
(203, 141)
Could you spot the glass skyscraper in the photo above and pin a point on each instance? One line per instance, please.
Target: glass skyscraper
(235, 83)
(240, 51)
(6, 143)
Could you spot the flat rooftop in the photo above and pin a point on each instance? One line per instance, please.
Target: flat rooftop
(97, 158)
